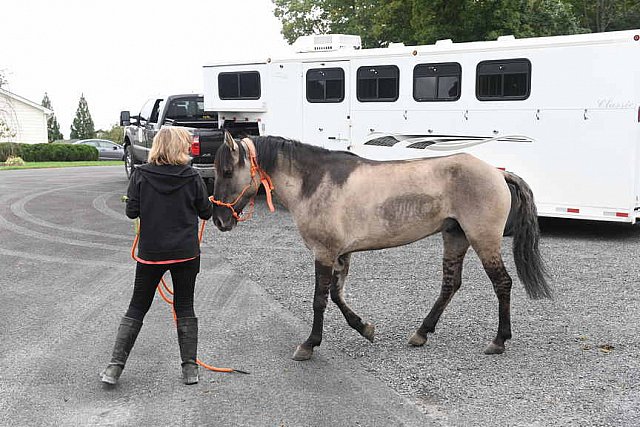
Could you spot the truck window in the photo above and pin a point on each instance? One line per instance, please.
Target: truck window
(503, 80)
(145, 111)
(239, 85)
(378, 83)
(153, 117)
(186, 109)
(437, 82)
(325, 85)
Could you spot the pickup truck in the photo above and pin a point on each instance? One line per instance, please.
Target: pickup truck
(174, 110)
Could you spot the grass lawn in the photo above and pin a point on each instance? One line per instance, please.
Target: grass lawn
(39, 165)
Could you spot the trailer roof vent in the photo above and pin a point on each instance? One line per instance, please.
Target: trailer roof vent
(326, 43)
(444, 42)
(507, 37)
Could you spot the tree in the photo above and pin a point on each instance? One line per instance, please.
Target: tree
(6, 132)
(607, 15)
(380, 22)
(3, 79)
(82, 126)
(53, 128)
(115, 134)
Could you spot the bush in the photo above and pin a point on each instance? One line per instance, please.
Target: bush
(14, 161)
(48, 152)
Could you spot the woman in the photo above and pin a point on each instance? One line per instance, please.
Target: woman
(168, 196)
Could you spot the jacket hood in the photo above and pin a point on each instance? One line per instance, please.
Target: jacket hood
(166, 179)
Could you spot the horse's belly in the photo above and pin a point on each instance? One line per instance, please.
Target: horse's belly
(382, 235)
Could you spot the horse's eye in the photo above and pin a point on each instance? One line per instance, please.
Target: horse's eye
(227, 173)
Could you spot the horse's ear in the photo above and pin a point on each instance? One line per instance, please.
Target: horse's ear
(231, 143)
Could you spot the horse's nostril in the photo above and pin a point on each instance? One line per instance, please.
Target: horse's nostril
(217, 222)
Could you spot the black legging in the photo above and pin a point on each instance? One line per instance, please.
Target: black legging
(148, 276)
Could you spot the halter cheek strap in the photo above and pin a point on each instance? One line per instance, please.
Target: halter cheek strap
(265, 179)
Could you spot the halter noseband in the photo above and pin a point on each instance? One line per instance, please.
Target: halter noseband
(265, 180)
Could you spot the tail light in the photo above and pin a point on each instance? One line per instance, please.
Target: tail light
(195, 146)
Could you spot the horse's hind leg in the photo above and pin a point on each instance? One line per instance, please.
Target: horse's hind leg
(495, 269)
(365, 329)
(320, 299)
(455, 248)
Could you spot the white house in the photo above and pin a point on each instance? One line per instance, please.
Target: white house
(26, 120)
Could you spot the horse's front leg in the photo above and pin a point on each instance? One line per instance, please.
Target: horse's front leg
(340, 273)
(320, 298)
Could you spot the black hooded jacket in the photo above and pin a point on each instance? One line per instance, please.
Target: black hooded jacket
(168, 199)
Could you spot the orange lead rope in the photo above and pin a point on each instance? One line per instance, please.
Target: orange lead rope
(169, 301)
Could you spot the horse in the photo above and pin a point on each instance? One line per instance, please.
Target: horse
(342, 203)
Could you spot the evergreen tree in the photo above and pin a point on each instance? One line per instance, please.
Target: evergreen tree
(53, 128)
(82, 127)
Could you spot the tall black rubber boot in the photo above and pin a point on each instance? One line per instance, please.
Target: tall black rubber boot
(125, 338)
(188, 340)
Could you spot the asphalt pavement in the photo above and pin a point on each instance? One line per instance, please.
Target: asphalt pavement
(66, 281)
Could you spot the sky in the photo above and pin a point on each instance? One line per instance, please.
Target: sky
(120, 53)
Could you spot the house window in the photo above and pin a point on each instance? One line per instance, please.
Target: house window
(378, 83)
(507, 80)
(239, 85)
(437, 82)
(325, 85)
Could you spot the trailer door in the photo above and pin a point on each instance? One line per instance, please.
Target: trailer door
(325, 111)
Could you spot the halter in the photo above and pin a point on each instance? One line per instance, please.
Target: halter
(265, 180)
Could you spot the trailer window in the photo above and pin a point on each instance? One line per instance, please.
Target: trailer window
(325, 85)
(437, 82)
(507, 80)
(239, 85)
(378, 83)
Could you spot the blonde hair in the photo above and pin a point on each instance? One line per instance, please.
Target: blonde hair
(170, 147)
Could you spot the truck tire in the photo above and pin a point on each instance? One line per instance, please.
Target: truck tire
(129, 163)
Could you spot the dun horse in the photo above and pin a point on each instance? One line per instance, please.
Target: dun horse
(342, 203)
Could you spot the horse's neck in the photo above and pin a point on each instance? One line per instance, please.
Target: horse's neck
(288, 181)
(287, 186)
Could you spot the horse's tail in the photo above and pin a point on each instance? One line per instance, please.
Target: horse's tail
(526, 236)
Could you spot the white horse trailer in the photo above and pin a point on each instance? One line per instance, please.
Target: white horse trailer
(562, 112)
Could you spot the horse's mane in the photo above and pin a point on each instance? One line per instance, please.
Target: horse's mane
(269, 147)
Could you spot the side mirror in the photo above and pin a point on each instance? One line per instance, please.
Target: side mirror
(125, 118)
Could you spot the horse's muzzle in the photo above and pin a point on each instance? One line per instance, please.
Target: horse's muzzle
(223, 219)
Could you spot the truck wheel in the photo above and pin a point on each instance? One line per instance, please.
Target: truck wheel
(128, 161)
(209, 183)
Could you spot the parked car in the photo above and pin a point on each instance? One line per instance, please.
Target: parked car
(107, 150)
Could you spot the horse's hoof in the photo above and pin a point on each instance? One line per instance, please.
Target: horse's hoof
(368, 331)
(417, 340)
(302, 353)
(494, 348)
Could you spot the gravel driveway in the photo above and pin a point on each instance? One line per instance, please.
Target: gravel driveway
(574, 360)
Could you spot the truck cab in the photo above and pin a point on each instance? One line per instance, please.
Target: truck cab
(185, 110)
